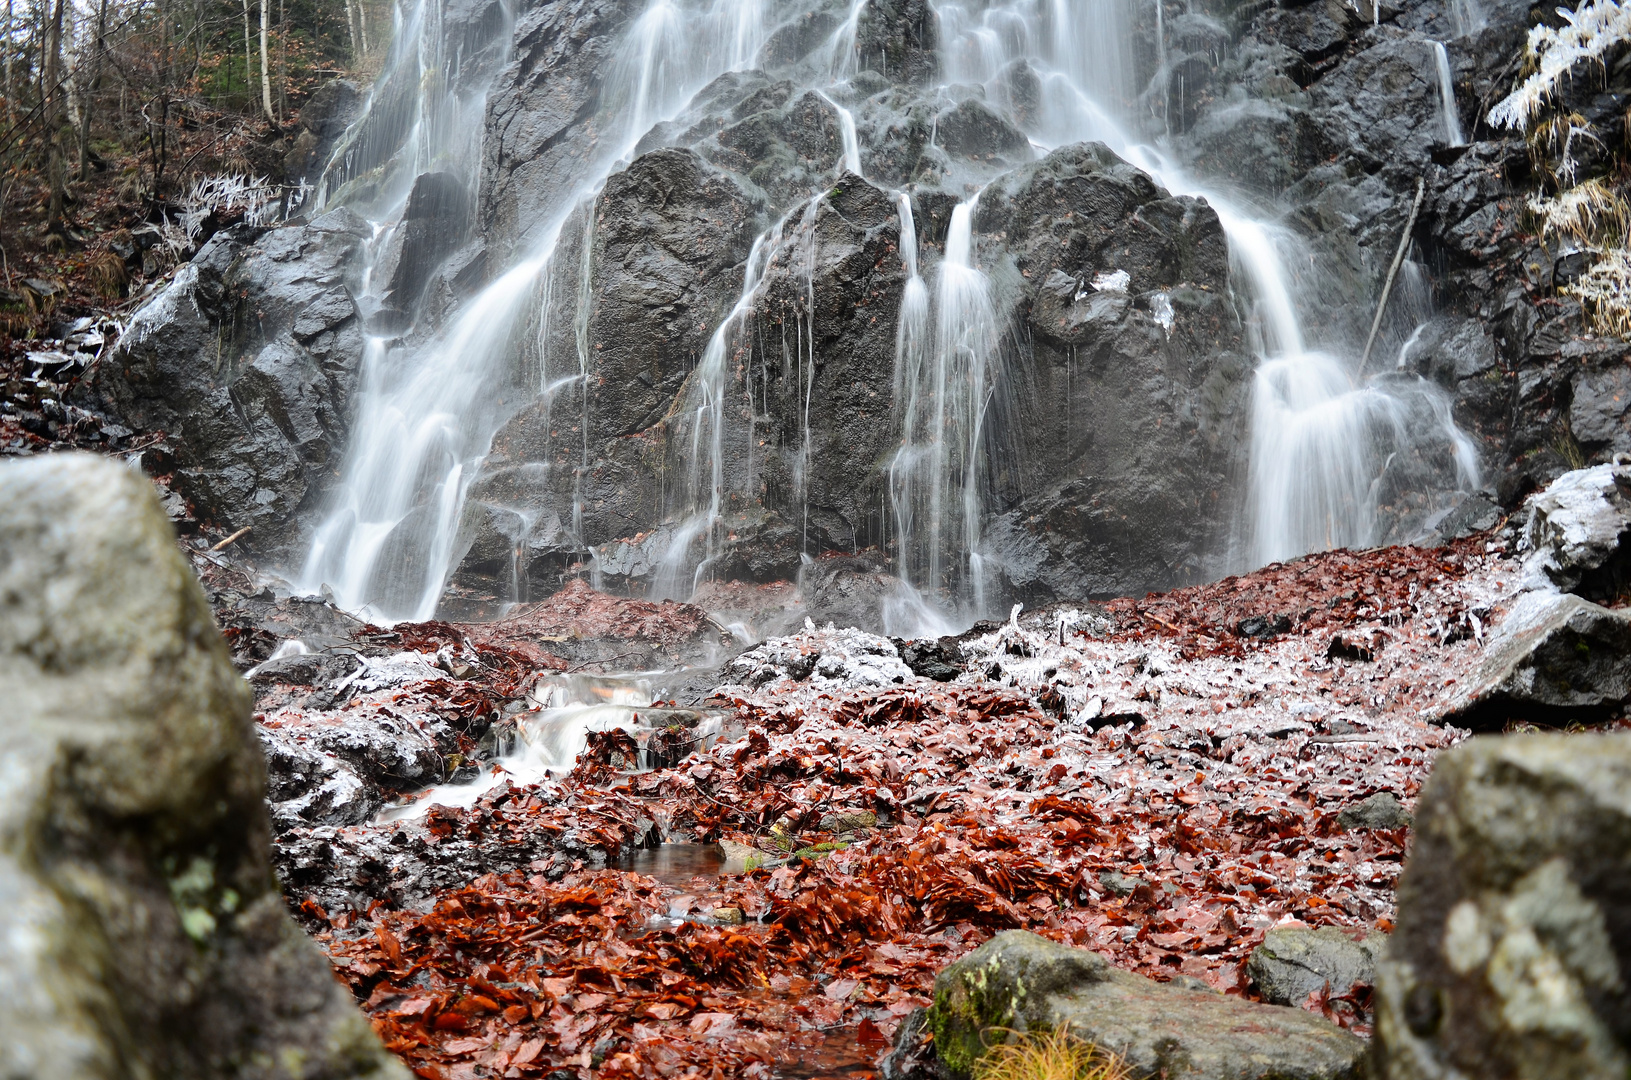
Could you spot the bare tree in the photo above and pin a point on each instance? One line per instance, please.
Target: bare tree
(266, 68)
(354, 25)
(51, 75)
(93, 84)
(249, 53)
(11, 26)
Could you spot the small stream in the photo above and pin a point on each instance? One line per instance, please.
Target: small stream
(564, 711)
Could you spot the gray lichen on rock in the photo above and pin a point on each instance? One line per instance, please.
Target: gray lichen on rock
(1511, 954)
(146, 933)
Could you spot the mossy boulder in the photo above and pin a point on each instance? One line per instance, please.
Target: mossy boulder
(146, 935)
(1019, 982)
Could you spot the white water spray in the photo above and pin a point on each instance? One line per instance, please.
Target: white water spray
(1446, 95)
(428, 413)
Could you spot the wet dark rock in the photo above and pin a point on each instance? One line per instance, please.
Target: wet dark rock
(1263, 626)
(1574, 538)
(539, 111)
(433, 224)
(940, 660)
(669, 237)
(305, 669)
(144, 922)
(1019, 982)
(323, 119)
(1114, 432)
(1554, 657)
(848, 591)
(911, 1054)
(972, 129)
(1296, 961)
(1380, 811)
(1515, 894)
(249, 362)
(1474, 514)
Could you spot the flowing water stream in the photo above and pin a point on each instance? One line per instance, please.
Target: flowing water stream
(1321, 437)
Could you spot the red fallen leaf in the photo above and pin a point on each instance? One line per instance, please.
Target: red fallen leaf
(839, 989)
(478, 1003)
(663, 1010)
(588, 1002)
(556, 987)
(450, 1021)
(527, 1051)
(868, 1032)
(516, 1013)
(465, 1046)
(430, 1072)
(414, 1006)
(712, 1023)
(388, 941)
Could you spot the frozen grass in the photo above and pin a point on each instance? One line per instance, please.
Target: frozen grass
(1605, 290)
(1588, 32)
(259, 200)
(1590, 213)
(1053, 1055)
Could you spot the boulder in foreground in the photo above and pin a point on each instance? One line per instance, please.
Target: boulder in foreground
(145, 931)
(1021, 982)
(1512, 956)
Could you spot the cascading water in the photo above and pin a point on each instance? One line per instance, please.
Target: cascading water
(565, 710)
(431, 403)
(943, 388)
(1446, 95)
(1319, 441)
(429, 409)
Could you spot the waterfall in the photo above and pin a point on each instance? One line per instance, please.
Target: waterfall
(1324, 446)
(942, 394)
(1446, 95)
(851, 161)
(1320, 444)
(428, 410)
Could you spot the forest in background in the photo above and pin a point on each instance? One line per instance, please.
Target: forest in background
(114, 112)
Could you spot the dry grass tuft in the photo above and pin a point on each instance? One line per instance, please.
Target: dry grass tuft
(1053, 1055)
(109, 275)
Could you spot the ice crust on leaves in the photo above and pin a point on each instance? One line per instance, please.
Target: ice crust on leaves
(504, 940)
(1588, 33)
(827, 657)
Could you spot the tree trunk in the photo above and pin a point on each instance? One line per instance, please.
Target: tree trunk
(362, 25)
(354, 27)
(10, 48)
(266, 68)
(93, 85)
(282, 62)
(249, 54)
(56, 167)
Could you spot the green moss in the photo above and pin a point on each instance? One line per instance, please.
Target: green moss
(963, 1011)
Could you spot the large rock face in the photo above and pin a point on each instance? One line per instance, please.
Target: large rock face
(1512, 956)
(249, 362)
(1129, 405)
(1021, 982)
(1114, 427)
(146, 933)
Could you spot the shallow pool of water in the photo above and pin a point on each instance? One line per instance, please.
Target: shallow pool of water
(676, 864)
